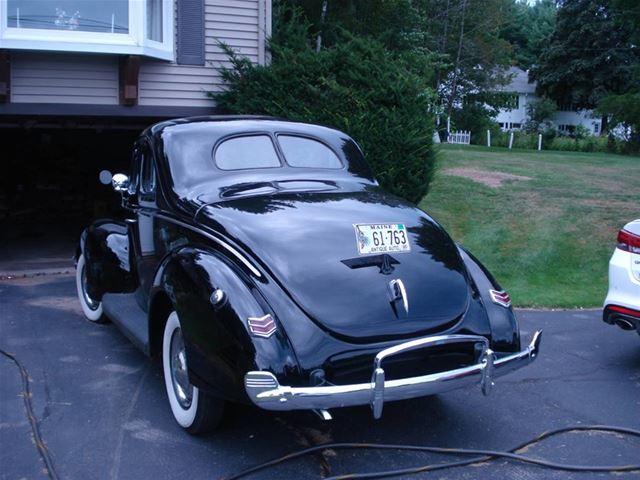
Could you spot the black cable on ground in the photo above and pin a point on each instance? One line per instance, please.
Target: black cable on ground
(486, 455)
(33, 421)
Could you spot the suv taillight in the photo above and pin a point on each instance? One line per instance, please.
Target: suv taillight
(628, 242)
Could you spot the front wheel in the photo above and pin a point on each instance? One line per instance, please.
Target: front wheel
(91, 308)
(194, 410)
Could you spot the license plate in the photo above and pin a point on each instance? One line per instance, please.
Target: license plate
(381, 238)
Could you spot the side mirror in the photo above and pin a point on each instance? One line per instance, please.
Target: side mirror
(120, 183)
(105, 177)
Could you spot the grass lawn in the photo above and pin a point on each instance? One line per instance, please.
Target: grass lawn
(547, 237)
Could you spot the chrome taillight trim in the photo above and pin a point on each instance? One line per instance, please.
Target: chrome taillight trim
(264, 326)
(501, 297)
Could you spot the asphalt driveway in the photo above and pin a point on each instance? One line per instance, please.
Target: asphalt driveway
(103, 413)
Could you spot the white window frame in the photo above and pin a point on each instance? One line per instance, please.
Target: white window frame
(164, 49)
(133, 43)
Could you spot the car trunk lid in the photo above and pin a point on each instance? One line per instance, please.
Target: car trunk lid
(309, 242)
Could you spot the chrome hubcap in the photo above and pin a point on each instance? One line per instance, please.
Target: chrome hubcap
(91, 303)
(179, 375)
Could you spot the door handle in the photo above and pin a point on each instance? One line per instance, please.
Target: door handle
(131, 220)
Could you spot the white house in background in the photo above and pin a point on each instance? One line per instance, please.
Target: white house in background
(565, 119)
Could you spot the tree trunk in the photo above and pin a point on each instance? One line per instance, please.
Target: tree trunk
(323, 15)
(454, 87)
(604, 125)
(443, 42)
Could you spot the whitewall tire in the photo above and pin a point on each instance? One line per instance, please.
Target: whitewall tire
(194, 410)
(91, 308)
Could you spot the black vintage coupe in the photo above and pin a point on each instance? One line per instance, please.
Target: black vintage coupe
(262, 261)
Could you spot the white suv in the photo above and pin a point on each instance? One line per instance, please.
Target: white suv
(622, 305)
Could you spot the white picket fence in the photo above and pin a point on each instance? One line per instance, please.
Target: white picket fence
(462, 137)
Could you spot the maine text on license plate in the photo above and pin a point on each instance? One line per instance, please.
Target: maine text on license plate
(381, 238)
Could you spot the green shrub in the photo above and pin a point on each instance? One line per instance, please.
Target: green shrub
(525, 140)
(550, 141)
(520, 139)
(593, 144)
(358, 86)
(475, 116)
(498, 137)
(585, 144)
(563, 144)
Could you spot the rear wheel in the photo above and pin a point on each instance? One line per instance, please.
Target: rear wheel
(194, 410)
(91, 308)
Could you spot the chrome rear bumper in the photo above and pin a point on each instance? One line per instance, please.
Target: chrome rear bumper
(265, 391)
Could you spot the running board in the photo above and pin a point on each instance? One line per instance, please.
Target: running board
(123, 310)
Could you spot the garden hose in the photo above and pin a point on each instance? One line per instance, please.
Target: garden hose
(33, 421)
(481, 455)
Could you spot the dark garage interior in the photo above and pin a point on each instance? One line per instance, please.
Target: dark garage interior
(49, 187)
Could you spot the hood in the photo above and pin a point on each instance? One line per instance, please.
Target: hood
(308, 241)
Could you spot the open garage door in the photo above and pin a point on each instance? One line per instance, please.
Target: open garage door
(49, 189)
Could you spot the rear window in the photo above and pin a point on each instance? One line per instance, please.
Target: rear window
(305, 152)
(251, 151)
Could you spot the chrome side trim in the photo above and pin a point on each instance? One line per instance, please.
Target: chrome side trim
(265, 391)
(222, 243)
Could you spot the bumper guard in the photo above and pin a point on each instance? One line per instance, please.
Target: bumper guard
(265, 391)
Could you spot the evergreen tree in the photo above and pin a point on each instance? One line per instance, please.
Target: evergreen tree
(590, 55)
(355, 83)
(624, 107)
(528, 29)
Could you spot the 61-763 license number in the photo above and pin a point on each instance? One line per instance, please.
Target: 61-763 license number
(381, 238)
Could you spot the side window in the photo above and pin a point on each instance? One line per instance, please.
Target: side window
(135, 171)
(147, 174)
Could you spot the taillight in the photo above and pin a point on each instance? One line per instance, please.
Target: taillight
(628, 241)
(501, 298)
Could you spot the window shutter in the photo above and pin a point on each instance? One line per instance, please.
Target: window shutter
(190, 32)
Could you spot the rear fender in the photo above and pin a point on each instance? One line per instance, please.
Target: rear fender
(105, 246)
(220, 347)
(505, 335)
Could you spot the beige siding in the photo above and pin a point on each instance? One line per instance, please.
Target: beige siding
(240, 24)
(64, 78)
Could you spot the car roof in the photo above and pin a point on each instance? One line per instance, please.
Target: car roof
(243, 121)
(204, 132)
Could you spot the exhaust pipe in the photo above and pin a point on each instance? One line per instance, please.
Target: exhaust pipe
(624, 324)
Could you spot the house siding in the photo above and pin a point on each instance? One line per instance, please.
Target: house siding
(64, 78)
(235, 23)
(516, 115)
